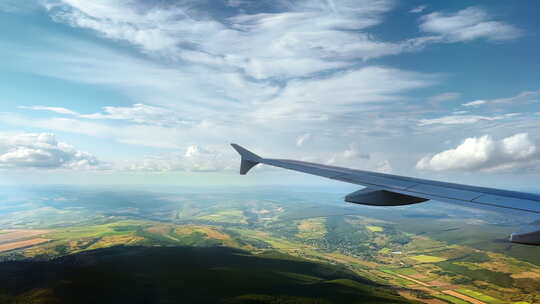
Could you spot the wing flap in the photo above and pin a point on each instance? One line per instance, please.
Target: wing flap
(508, 202)
(459, 194)
(366, 180)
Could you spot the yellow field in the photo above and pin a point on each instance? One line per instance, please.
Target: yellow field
(427, 258)
(21, 244)
(209, 231)
(108, 241)
(312, 228)
(12, 235)
(375, 228)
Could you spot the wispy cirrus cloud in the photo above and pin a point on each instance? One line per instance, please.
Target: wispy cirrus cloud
(463, 119)
(466, 25)
(418, 9)
(447, 96)
(304, 38)
(58, 110)
(474, 103)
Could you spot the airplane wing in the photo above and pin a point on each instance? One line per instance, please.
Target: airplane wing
(393, 190)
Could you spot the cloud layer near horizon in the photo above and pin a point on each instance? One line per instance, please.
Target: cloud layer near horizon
(42, 150)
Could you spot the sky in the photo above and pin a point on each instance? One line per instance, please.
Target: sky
(153, 92)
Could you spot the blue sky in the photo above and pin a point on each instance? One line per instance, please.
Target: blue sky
(135, 91)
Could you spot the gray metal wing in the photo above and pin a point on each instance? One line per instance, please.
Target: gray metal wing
(393, 190)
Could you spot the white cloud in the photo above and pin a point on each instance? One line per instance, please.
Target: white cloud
(462, 119)
(521, 98)
(485, 153)
(475, 103)
(300, 140)
(384, 167)
(418, 9)
(42, 150)
(354, 152)
(352, 157)
(194, 159)
(139, 113)
(306, 37)
(237, 75)
(466, 25)
(525, 97)
(58, 110)
(319, 99)
(143, 135)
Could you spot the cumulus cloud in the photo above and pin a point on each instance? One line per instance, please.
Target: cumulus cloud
(353, 157)
(42, 150)
(194, 159)
(487, 154)
(466, 25)
(353, 151)
(384, 167)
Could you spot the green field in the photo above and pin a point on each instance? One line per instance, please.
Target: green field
(478, 295)
(451, 299)
(226, 216)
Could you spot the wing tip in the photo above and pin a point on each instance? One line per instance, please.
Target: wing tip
(248, 158)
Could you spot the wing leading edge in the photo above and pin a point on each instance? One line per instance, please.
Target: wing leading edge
(393, 190)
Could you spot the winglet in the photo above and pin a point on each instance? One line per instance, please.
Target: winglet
(249, 159)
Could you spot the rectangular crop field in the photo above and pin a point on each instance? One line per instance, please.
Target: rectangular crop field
(422, 258)
(21, 244)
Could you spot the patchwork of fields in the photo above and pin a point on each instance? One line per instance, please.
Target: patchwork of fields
(428, 261)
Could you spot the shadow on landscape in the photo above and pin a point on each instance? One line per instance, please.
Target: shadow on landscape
(184, 275)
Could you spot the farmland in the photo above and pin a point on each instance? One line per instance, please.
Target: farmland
(428, 260)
